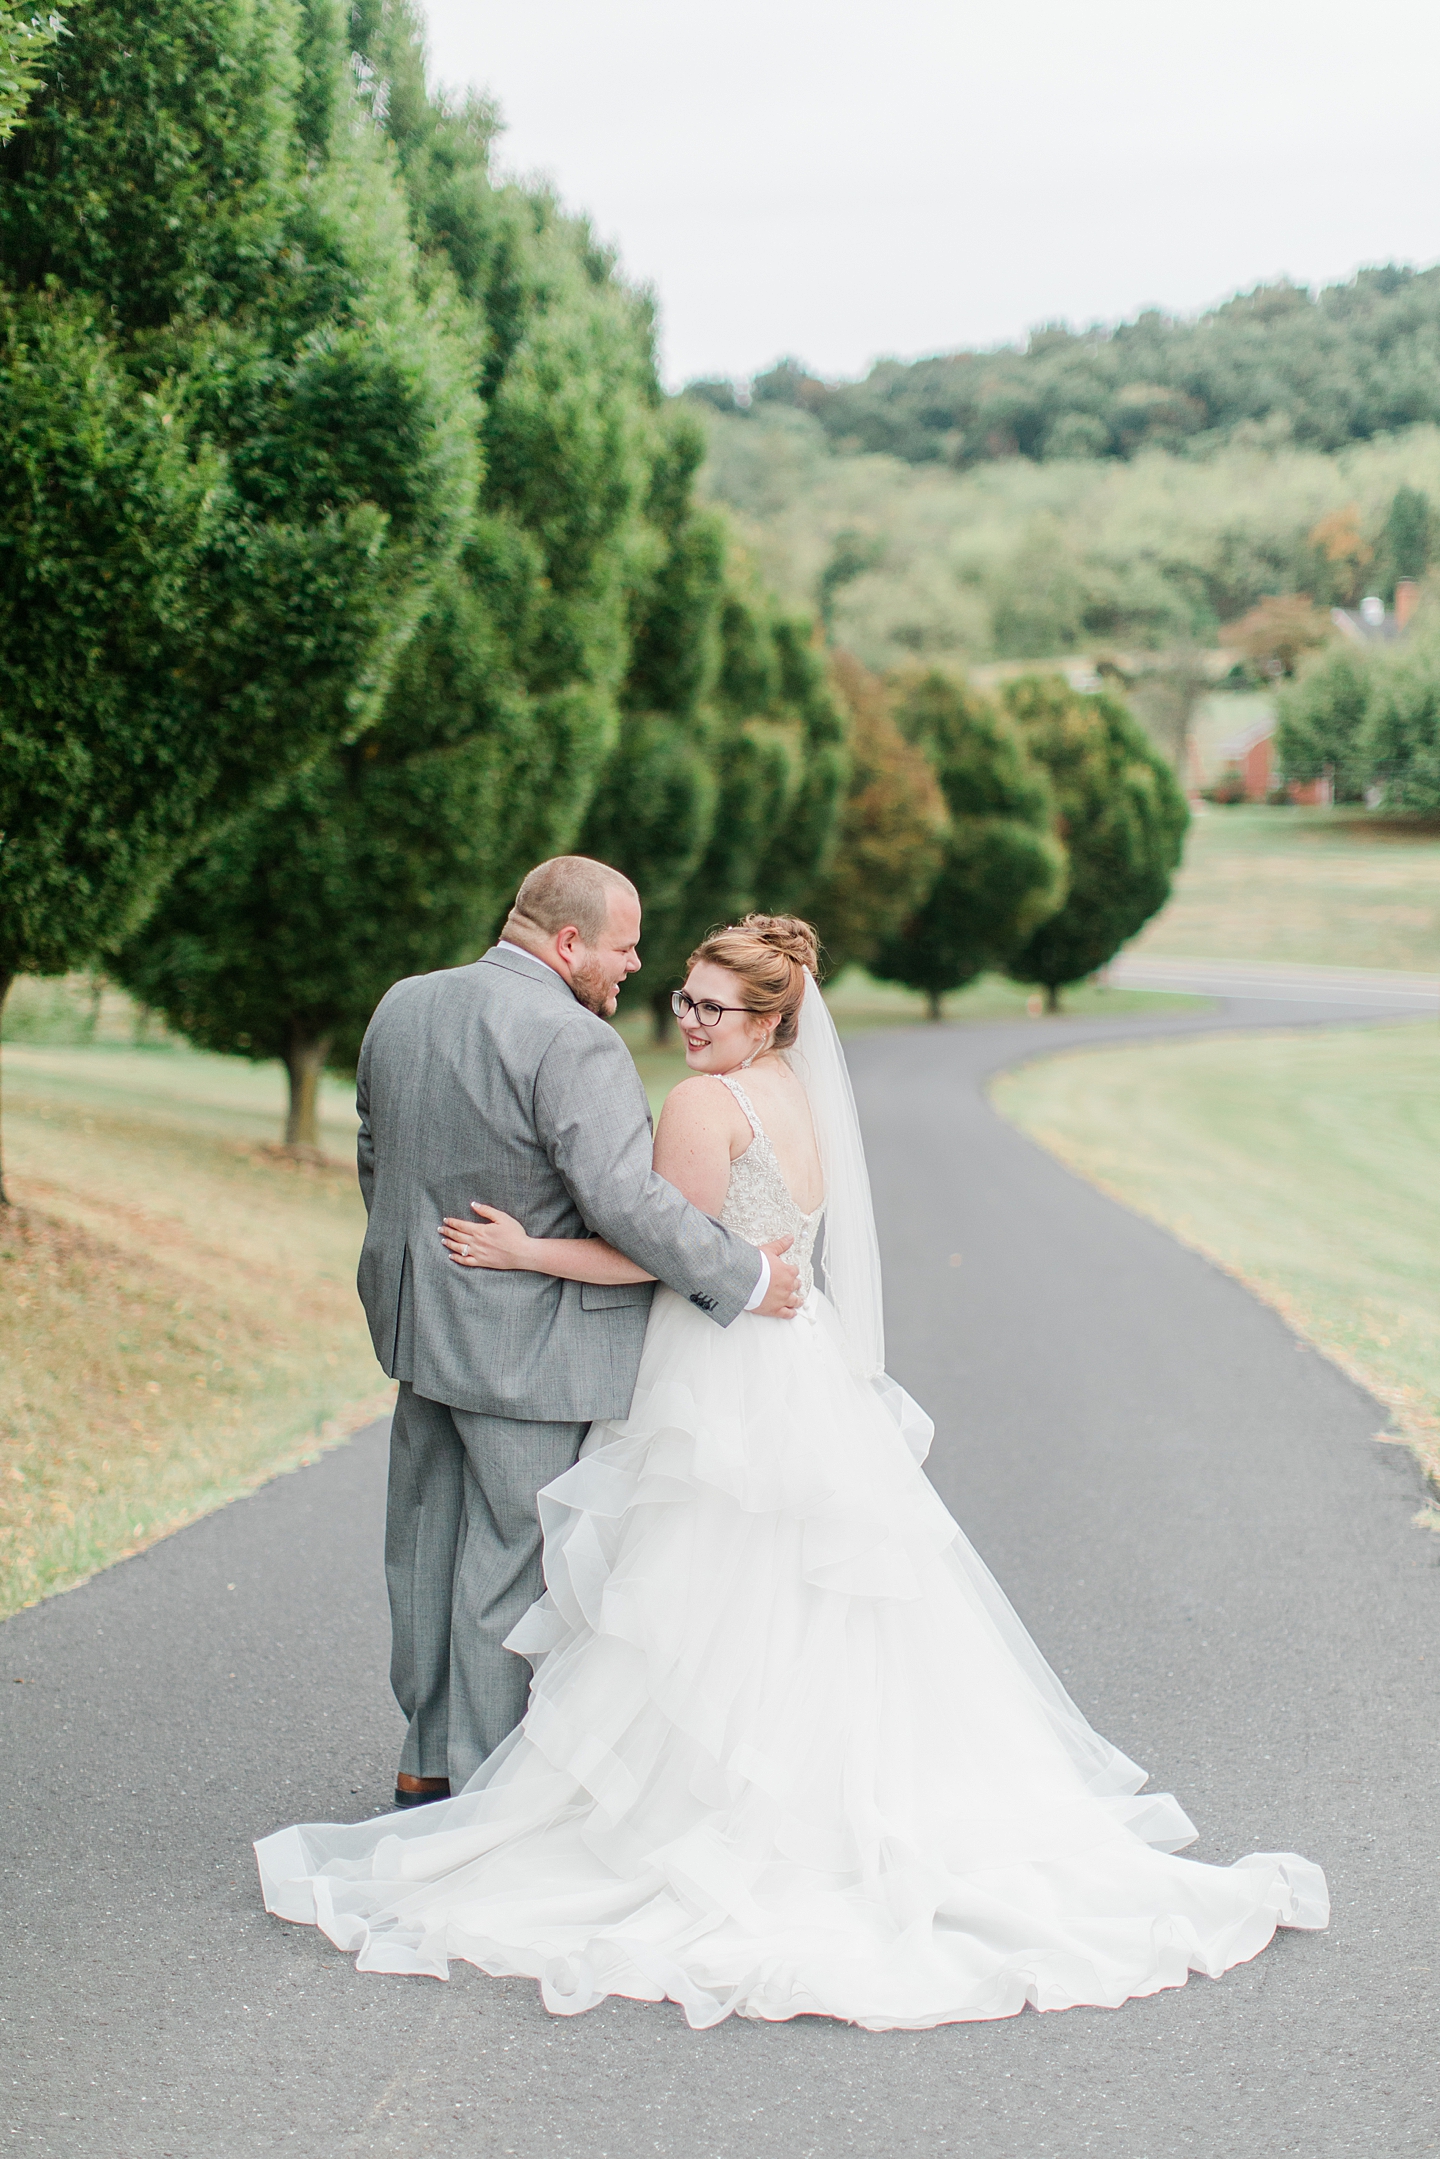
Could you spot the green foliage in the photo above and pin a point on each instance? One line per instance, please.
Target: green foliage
(850, 557)
(1277, 633)
(1406, 541)
(1024, 560)
(157, 170)
(1340, 556)
(1123, 819)
(714, 391)
(1003, 869)
(653, 813)
(396, 853)
(892, 830)
(26, 38)
(393, 855)
(1369, 716)
(1399, 748)
(236, 448)
(803, 833)
(106, 509)
(730, 801)
(788, 382)
(1351, 362)
(1322, 720)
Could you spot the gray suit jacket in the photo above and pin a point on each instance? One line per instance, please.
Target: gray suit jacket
(492, 1082)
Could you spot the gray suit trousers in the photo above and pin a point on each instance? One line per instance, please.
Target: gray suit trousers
(462, 1564)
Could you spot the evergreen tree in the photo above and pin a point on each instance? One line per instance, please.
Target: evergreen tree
(1003, 870)
(654, 811)
(396, 854)
(766, 762)
(1123, 818)
(1322, 718)
(805, 828)
(1406, 541)
(587, 609)
(724, 792)
(892, 829)
(234, 452)
(106, 508)
(1399, 746)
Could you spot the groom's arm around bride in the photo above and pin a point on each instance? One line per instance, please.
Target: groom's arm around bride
(501, 1081)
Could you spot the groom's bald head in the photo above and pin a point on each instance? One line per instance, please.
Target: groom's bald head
(583, 919)
(568, 891)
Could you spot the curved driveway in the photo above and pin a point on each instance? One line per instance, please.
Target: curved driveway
(1186, 1505)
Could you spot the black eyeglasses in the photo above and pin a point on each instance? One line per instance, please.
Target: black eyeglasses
(705, 1009)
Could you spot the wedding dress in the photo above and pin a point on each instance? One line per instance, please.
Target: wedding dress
(788, 1749)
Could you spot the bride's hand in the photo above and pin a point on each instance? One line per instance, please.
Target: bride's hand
(496, 1240)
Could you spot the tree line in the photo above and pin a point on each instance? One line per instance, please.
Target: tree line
(1279, 364)
(1032, 560)
(1042, 835)
(353, 561)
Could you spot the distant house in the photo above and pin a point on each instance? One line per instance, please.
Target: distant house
(1249, 769)
(1249, 757)
(1371, 623)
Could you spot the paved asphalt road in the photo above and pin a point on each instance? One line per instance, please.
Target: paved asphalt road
(1356, 990)
(1187, 1507)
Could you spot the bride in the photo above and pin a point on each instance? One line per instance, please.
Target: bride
(788, 1750)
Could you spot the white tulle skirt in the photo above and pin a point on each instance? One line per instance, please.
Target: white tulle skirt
(788, 1751)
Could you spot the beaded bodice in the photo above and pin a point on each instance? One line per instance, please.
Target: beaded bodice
(758, 1205)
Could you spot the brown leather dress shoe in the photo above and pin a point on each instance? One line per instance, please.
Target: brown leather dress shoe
(419, 1791)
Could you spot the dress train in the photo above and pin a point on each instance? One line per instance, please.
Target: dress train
(788, 1750)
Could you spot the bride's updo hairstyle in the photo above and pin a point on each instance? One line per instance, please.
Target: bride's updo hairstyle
(772, 955)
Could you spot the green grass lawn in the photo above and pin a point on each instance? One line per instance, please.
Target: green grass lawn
(178, 1318)
(1340, 888)
(1305, 1163)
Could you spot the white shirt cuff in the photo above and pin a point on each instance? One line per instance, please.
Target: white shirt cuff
(762, 1288)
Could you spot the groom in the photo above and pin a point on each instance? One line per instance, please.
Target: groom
(502, 1081)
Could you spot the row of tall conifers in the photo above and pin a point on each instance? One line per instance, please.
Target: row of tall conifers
(352, 562)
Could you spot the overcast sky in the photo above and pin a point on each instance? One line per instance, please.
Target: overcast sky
(846, 181)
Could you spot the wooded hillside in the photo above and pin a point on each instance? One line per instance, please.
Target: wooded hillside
(1018, 560)
(1278, 364)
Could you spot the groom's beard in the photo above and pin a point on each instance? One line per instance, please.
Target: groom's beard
(594, 987)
